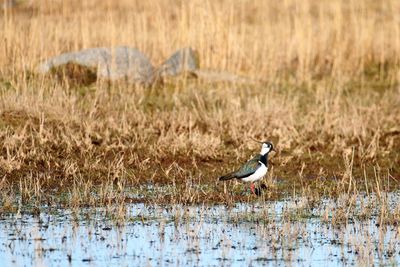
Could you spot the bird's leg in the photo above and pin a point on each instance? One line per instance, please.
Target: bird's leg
(252, 187)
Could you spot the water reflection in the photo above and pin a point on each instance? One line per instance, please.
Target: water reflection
(257, 234)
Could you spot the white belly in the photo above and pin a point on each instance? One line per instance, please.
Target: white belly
(258, 175)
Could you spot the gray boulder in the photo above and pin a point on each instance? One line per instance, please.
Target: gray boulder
(120, 63)
(183, 61)
(124, 63)
(131, 65)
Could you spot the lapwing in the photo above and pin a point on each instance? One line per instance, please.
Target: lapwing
(254, 169)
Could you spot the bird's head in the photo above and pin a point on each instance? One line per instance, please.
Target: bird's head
(266, 147)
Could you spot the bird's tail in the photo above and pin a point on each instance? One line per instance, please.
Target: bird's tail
(229, 176)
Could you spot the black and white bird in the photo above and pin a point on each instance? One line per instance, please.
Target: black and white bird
(254, 169)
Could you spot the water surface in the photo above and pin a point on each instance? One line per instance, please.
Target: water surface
(271, 233)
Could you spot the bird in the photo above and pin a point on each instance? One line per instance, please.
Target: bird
(254, 169)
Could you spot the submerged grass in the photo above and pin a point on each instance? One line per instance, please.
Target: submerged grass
(328, 97)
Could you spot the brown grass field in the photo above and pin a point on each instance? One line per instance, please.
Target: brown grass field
(328, 96)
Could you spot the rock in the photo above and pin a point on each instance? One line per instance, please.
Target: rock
(120, 63)
(183, 61)
(124, 63)
(132, 66)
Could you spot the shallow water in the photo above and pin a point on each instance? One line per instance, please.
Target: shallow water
(256, 235)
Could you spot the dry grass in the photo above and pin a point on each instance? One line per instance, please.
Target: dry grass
(329, 100)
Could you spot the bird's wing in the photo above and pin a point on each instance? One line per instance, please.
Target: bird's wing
(248, 168)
